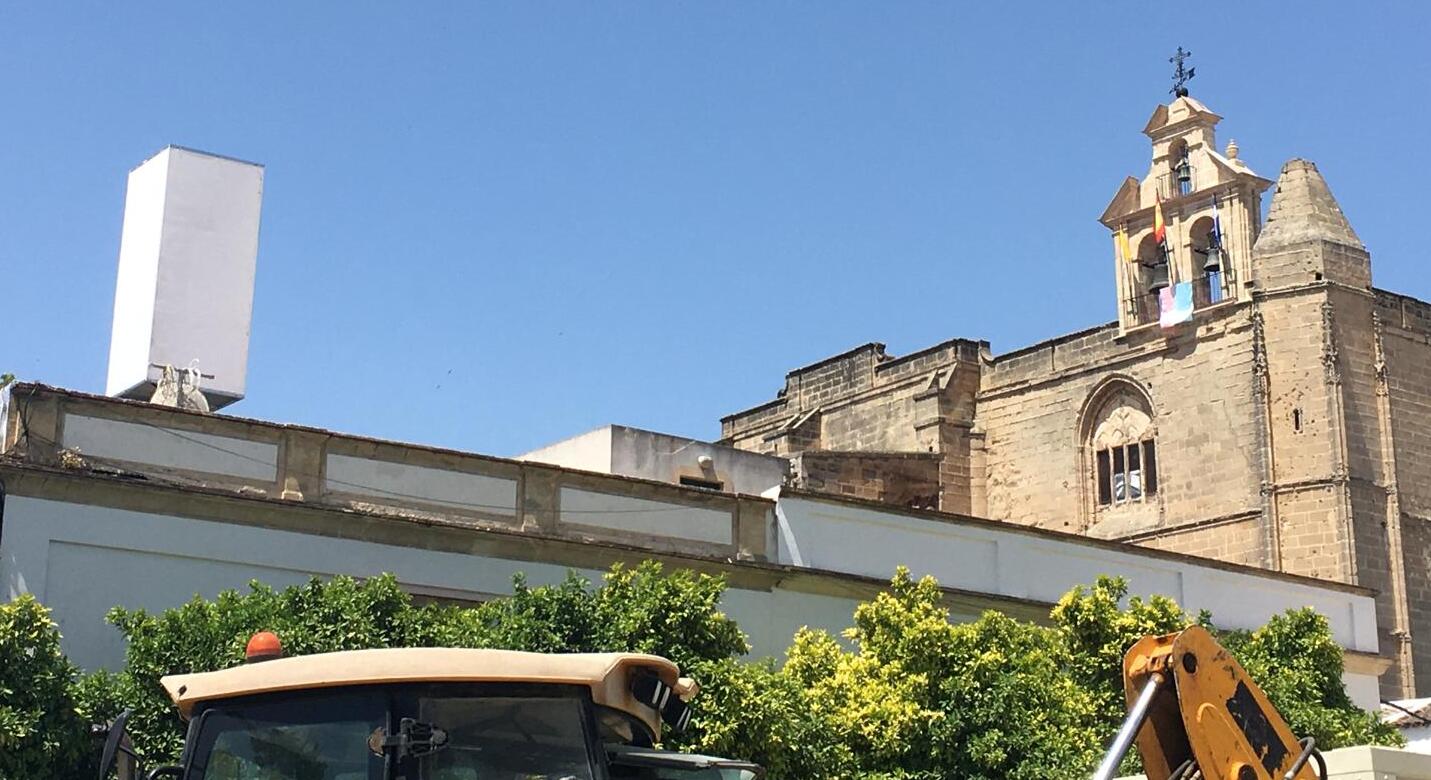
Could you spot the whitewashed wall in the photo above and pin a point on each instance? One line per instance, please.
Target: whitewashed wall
(1005, 561)
(81, 560)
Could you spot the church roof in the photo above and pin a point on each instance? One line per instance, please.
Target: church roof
(1125, 201)
(1233, 167)
(1303, 209)
(1181, 110)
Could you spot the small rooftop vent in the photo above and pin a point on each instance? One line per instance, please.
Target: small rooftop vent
(184, 299)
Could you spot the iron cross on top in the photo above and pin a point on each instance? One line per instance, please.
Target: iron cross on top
(1181, 75)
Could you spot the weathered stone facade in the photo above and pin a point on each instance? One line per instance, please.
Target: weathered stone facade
(1286, 424)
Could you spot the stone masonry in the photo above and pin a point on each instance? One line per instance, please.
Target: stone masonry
(1286, 424)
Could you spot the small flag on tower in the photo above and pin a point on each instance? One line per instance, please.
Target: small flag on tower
(1121, 248)
(1216, 222)
(1160, 230)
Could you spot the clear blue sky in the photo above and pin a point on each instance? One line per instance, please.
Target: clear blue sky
(490, 226)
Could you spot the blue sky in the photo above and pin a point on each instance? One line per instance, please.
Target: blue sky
(490, 226)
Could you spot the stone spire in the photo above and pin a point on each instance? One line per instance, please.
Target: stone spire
(1304, 210)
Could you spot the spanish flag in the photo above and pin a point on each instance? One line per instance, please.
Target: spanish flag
(1160, 231)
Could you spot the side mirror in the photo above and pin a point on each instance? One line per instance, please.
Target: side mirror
(118, 754)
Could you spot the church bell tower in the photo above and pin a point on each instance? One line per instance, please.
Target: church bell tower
(1184, 232)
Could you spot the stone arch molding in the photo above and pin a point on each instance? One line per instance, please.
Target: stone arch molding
(1119, 410)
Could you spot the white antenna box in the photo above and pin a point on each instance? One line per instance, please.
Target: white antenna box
(186, 270)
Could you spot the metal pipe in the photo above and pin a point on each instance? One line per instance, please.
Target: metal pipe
(1136, 716)
(1309, 746)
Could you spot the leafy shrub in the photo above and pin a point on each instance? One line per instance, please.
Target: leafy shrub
(42, 731)
(903, 693)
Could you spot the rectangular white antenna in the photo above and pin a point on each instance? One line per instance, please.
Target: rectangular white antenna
(186, 270)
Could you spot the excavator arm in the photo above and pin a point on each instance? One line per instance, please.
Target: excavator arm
(1194, 713)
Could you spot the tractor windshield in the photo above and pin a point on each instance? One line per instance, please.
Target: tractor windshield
(319, 738)
(388, 734)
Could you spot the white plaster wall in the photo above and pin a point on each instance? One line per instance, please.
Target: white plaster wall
(632, 452)
(638, 515)
(383, 479)
(151, 444)
(1364, 690)
(82, 560)
(590, 451)
(860, 540)
(649, 455)
(1418, 739)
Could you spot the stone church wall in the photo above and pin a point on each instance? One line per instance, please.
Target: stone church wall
(1040, 471)
(1240, 540)
(861, 400)
(1416, 536)
(908, 479)
(1407, 323)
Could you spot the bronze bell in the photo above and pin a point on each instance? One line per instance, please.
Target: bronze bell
(1213, 262)
(1185, 172)
(1157, 277)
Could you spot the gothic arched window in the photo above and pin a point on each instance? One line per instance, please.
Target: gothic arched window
(1123, 443)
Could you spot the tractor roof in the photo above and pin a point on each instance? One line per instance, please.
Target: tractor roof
(607, 675)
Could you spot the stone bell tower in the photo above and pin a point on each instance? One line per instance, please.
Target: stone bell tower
(1211, 206)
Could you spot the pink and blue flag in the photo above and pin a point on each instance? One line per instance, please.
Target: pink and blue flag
(1175, 304)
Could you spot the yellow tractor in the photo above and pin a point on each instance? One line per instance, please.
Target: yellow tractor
(1196, 715)
(430, 714)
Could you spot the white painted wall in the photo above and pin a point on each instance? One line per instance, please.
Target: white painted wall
(186, 271)
(82, 560)
(632, 452)
(401, 484)
(650, 455)
(98, 437)
(639, 515)
(590, 451)
(1009, 562)
(1418, 739)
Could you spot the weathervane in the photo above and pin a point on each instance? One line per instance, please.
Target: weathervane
(1181, 75)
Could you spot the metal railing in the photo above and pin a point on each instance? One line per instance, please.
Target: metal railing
(1143, 308)
(1169, 187)
(1207, 290)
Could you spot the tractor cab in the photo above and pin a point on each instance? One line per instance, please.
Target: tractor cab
(439, 714)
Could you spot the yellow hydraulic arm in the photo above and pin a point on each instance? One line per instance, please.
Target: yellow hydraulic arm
(1195, 713)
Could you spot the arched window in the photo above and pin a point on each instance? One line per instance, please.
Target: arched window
(1208, 255)
(1122, 440)
(1153, 264)
(1180, 170)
